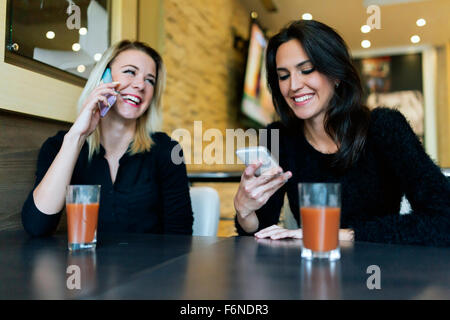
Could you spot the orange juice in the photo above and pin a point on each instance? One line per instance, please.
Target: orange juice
(82, 222)
(320, 227)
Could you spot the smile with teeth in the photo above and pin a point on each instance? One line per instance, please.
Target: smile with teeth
(135, 101)
(303, 98)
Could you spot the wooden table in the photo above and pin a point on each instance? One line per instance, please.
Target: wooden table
(144, 266)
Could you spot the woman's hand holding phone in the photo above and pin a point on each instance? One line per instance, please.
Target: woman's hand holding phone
(255, 191)
(89, 117)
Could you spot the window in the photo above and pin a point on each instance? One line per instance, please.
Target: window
(60, 38)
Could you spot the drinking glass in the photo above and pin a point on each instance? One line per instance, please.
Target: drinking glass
(320, 212)
(82, 204)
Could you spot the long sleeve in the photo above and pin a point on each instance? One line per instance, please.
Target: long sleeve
(426, 188)
(177, 209)
(34, 221)
(269, 214)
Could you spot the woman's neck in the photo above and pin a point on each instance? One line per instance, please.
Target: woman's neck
(116, 134)
(317, 137)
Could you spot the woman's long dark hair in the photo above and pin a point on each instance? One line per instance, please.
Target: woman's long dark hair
(347, 118)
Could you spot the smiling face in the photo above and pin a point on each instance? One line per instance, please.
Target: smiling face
(306, 91)
(136, 72)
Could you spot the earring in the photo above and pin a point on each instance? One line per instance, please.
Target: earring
(336, 84)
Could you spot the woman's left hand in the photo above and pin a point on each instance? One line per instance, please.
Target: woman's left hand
(276, 232)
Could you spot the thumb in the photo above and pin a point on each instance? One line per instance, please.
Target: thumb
(251, 169)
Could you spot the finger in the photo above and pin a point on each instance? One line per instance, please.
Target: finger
(104, 92)
(92, 101)
(280, 235)
(114, 85)
(296, 234)
(271, 186)
(250, 170)
(258, 196)
(264, 179)
(268, 175)
(262, 231)
(108, 85)
(274, 175)
(274, 171)
(267, 232)
(102, 99)
(346, 234)
(93, 107)
(278, 181)
(270, 234)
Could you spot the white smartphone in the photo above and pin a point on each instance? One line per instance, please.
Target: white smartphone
(253, 154)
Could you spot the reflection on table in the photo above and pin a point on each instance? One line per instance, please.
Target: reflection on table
(206, 268)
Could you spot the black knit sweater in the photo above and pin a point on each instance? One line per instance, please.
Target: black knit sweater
(393, 164)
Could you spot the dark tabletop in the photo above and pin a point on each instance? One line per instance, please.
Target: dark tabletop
(206, 268)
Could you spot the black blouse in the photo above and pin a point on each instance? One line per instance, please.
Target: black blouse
(393, 164)
(150, 193)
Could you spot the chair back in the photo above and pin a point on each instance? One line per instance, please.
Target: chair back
(206, 208)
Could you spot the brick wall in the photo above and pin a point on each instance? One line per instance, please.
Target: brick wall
(204, 82)
(204, 70)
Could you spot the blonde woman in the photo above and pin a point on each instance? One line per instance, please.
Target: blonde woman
(142, 190)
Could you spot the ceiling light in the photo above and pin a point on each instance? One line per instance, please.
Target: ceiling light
(365, 29)
(415, 39)
(307, 16)
(365, 44)
(76, 47)
(81, 68)
(50, 35)
(421, 22)
(82, 31)
(97, 56)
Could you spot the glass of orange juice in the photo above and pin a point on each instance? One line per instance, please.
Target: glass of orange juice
(82, 203)
(320, 215)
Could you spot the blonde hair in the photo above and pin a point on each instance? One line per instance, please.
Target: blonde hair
(151, 120)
